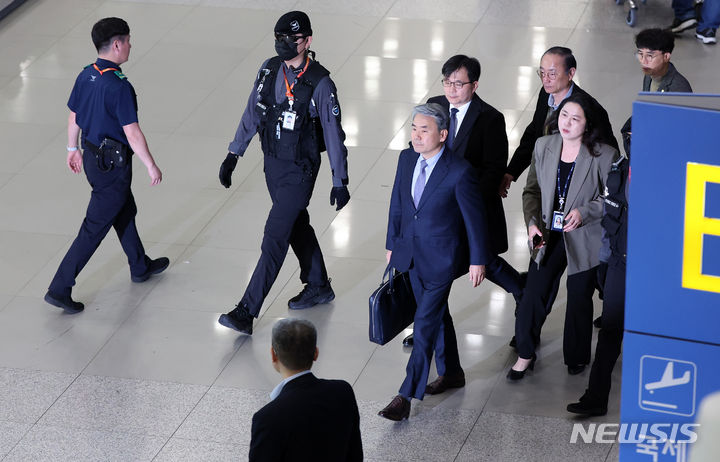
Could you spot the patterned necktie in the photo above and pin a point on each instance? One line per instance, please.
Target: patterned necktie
(546, 128)
(420, 183)
(453, 127)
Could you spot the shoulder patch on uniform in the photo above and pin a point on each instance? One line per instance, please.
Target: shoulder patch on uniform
(336, 110)
(120, 75)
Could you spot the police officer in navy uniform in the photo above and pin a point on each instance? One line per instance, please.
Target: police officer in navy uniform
(294, 109)
(104, 106)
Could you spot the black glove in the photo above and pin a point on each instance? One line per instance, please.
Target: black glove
(226, 169)
(341, 195)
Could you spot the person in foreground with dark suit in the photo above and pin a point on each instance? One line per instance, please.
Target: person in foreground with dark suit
(436, 231)
(477, 132)
(308, 419)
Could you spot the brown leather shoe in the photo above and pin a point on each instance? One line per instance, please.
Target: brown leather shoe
(397, 410)
(444, 382)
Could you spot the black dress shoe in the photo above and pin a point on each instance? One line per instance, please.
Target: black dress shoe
(575, 369)
(445, 382)
(513, 342)
(397, 410)
(238, 319)
(156, 266)
(64, 302)
(517, 375)
(408, 341)
(598, 322)
(587, 406)
(311, 296)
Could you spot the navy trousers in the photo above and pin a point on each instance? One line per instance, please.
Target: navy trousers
(610, 337)
(111, 205)
(288, 224)
(433, 332)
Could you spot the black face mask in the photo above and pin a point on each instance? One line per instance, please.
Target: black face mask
(286, 51)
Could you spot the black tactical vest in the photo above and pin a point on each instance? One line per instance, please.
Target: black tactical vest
(615, 219)
(305, 141)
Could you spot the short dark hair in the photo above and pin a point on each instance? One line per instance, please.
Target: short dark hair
(655, 39)
(471, 65)
(105, 30)
(567, 55)
(294, 341)
(592, 135)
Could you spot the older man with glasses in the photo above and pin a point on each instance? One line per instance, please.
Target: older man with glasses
(556, 71)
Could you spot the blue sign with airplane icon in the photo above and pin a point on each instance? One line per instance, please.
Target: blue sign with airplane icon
(667, 385)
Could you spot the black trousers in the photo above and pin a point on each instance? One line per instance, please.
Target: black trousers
(434, 332)
(111, 205)
(610, 337)
(501, 273)
(532, 312)
(288, 224)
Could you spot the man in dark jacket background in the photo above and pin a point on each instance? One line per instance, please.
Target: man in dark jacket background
(308, 419)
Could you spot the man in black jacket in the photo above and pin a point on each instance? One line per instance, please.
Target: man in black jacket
(557, 69)
(308, 419)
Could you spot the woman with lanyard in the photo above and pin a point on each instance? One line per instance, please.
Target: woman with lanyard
(562, 205)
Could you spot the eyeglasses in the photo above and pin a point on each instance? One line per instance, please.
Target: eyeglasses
(456, 83)
(551, 74)
(289, 38)
(647, 56)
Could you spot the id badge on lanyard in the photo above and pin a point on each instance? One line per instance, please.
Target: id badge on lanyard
(288, 119)
(558, 219)
(289, 116)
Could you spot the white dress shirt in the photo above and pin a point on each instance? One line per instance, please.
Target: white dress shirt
(276, 391)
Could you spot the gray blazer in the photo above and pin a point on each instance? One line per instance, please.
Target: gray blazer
(587, 186)
(671, 81)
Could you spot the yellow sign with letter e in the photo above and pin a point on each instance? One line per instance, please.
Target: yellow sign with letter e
(697, 225)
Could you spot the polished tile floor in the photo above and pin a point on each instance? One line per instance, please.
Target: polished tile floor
(146, 373)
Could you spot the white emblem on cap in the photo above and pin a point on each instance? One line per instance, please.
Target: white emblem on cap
(295, 26)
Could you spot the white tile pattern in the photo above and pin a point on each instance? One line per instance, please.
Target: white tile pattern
(145, 373)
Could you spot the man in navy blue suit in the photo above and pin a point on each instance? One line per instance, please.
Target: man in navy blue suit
(476, 131)
(436, 230)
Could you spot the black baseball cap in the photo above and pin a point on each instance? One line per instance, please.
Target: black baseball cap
(292, 23)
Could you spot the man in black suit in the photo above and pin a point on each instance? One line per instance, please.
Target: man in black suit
(436, 231)
(556, 71)
(308, 419)
(477, 132)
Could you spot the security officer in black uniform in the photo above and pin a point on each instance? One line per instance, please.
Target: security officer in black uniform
(295, 112)
(613, 252)
(103, 105)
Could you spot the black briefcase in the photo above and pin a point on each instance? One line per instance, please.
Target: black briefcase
(392, 306)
